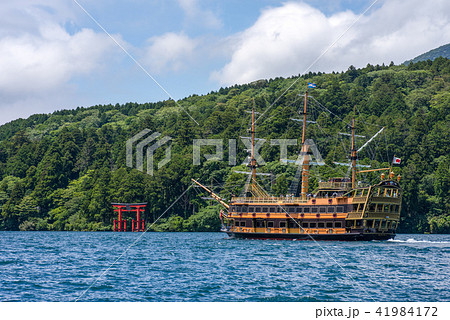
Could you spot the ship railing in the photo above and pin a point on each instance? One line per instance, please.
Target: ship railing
(287, 199)
(335, 185)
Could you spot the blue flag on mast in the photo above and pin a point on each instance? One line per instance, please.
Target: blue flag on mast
(311, 85)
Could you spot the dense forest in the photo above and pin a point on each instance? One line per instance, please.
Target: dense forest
(62, 171)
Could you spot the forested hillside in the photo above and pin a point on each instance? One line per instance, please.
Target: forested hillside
(442, 51)
(61, 171)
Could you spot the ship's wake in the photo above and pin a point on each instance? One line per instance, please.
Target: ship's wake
(412, 241)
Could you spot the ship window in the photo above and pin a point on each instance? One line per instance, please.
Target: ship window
(292, 209)
(329, 224)
(260, 224)
(292, 224)
(238, 209)
(369, 223)
(372, 207)
(386, 208)
(379, 207)
(257, 209)
(322, 209)
(383, 224)
(340, 209)
(299, 209)
(305, 225)
(272, 209)
(269, 224)
(282, 224)
(321, 225)
(251, 209)
(396, 208)
(358, 223)
(312, 224)
(338, 225)
(236, 223)
(377, 224)
(330, 209)
(242, 223)
(306, 210)
(265, 209)
(349, 223)
(314, 209)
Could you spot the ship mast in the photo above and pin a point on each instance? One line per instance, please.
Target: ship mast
(353, 151)
(304, 153)
(255, 189)
(252, 157)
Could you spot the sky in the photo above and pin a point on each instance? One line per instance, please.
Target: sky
(62, 54)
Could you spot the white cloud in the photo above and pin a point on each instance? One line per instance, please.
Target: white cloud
(169, 52)
(284, 41)
(33, 63)
(26, 16)
(198, 15)
(39, 58)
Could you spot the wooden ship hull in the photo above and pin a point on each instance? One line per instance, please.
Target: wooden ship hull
(309, 237)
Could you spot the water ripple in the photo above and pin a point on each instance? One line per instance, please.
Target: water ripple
(51, 266)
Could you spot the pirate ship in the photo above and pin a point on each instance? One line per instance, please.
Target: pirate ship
(340, 209)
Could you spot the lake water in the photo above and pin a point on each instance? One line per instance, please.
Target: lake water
(62, 266)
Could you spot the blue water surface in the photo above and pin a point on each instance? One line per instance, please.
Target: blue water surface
(69, 266)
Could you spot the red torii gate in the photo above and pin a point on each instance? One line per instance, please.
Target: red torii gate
(136, 225)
